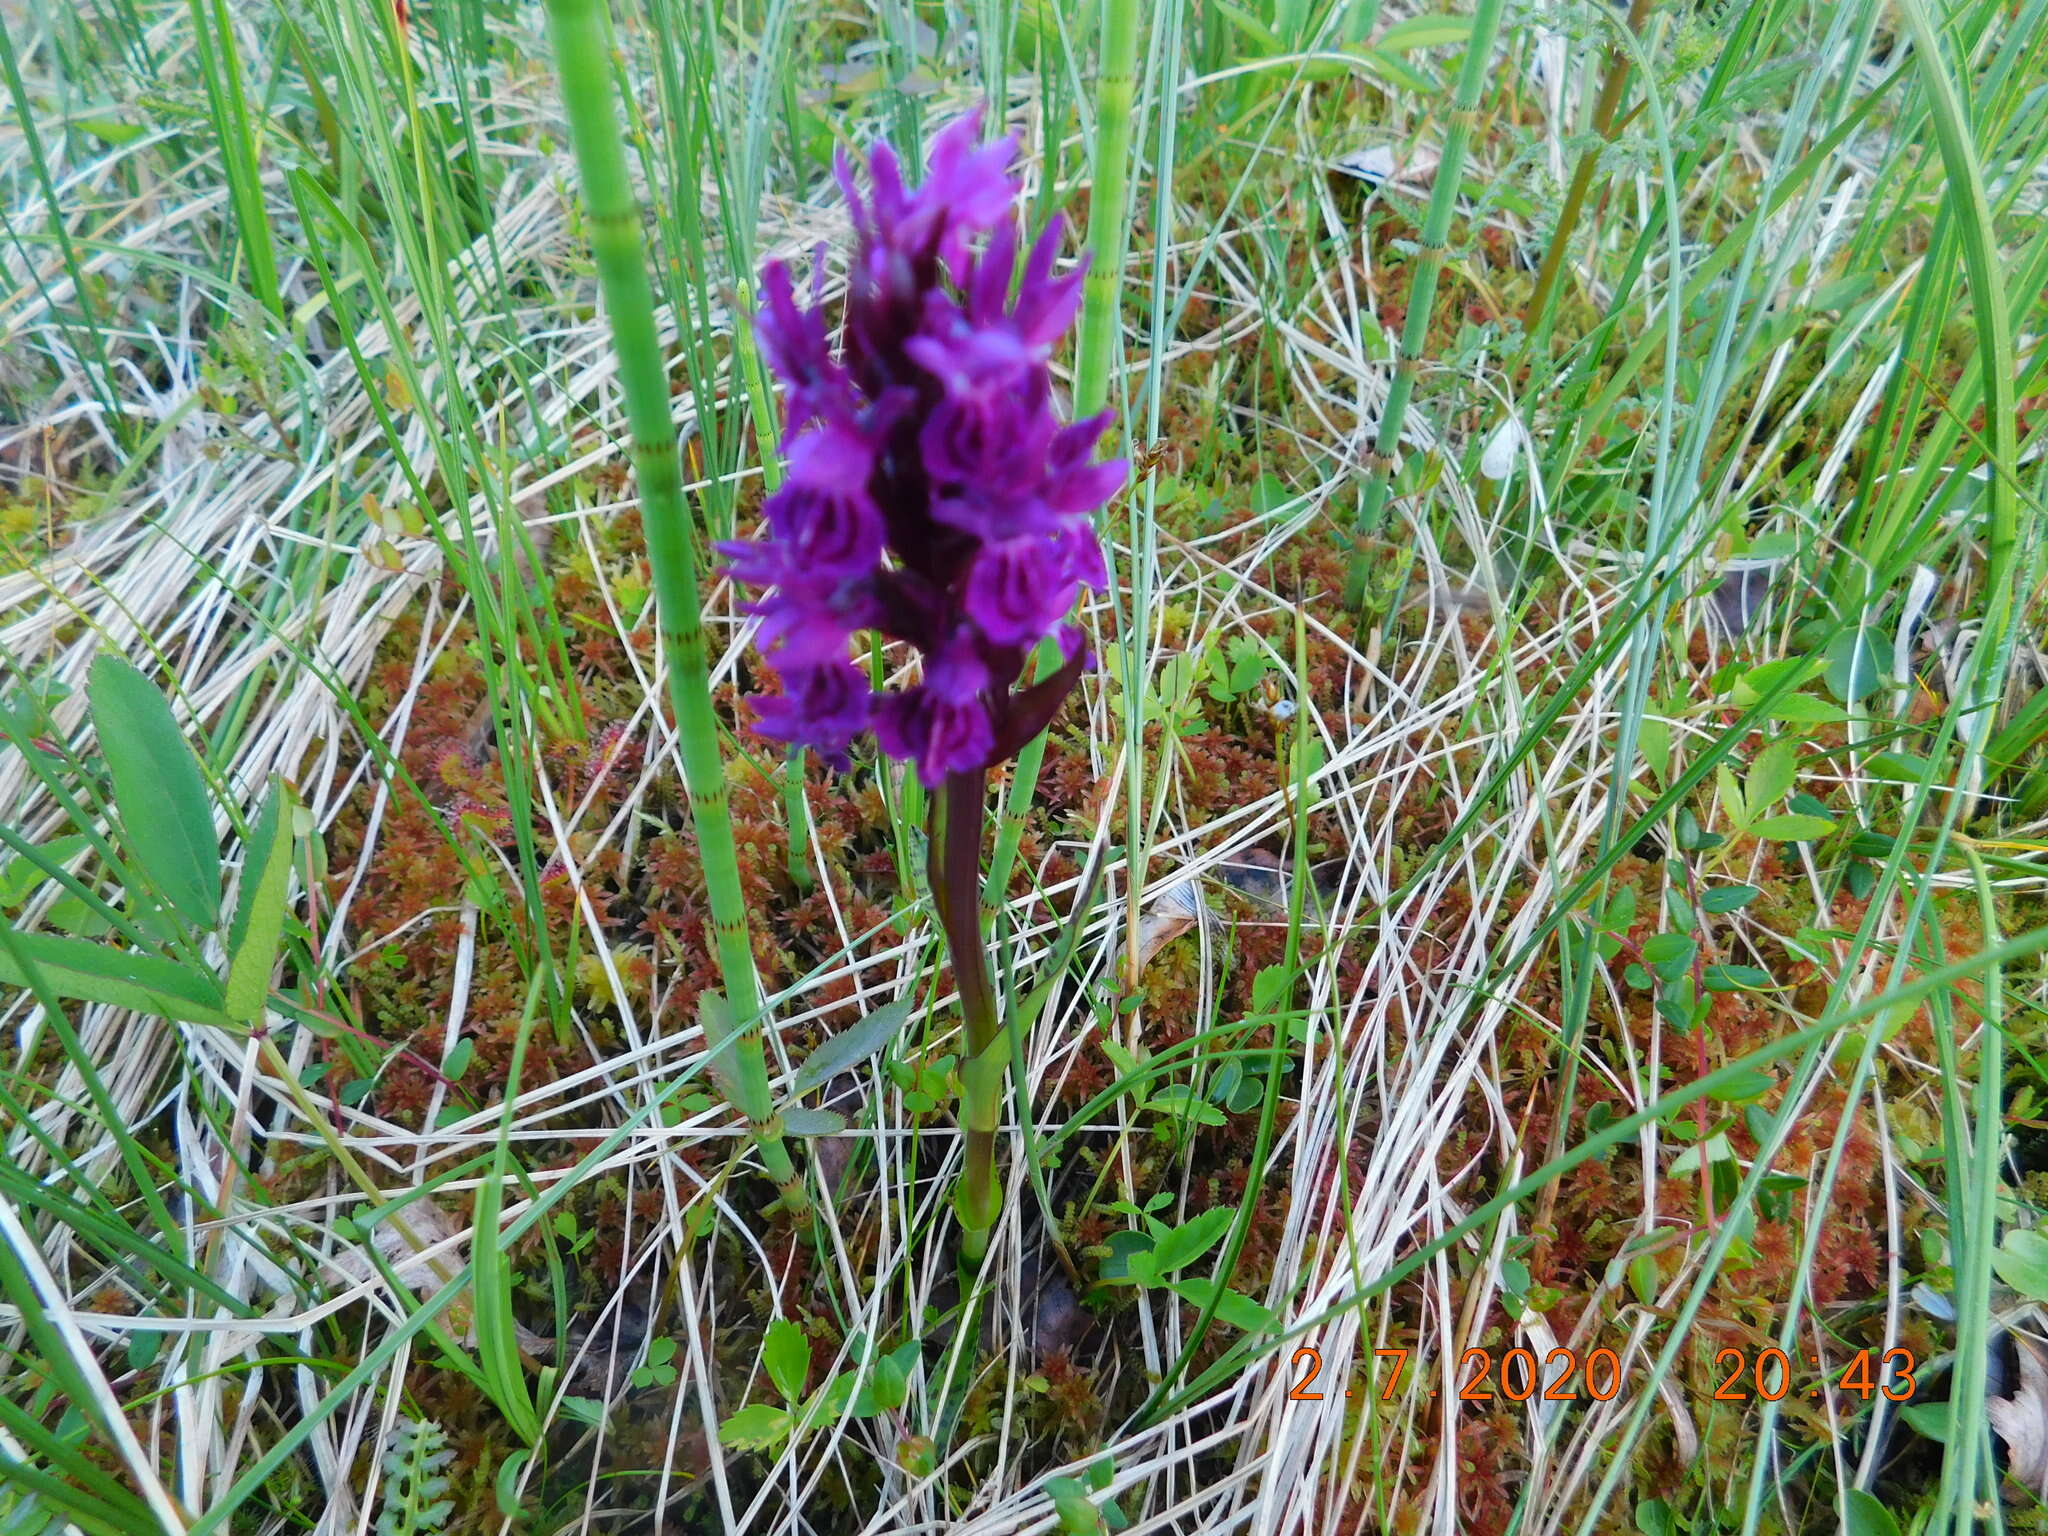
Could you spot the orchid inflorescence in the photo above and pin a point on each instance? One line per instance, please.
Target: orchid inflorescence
(934, 495)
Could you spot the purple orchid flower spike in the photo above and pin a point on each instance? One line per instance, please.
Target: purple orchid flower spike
(934, 493)
(935, 497)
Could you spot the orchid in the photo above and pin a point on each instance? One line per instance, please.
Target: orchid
(934, 496)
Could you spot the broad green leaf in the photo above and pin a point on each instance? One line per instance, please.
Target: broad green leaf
(1653, 740)
(112, 129)
(1929, 1419)
(1669, 949)
(851, 1047)
(1714, 1149)
(1749, 1085)
(756, 1427)
(1250, 27)
(1644, 1278)
(1732, 798)
(583, 1410)
(100, 973)
(1271, 987)
(1180, 1246)
(1852, 665)
(1771, 776)
(1129, 1258)
(2021, 1261)
(1234, 1307)
(1077, 1513)
(786, 1353)
(812, 1122)
(1728, 898)
(1793, 828)
(506, 1487)
(1179, 1101)
(741, 1077)
(260, 907)
(888, 1384)
(1898, 767)
(1424, 32)
(79, 917)
(1736, 978)
(166, 814)
(1863, 1514)
(1805, 709)
(22, 874)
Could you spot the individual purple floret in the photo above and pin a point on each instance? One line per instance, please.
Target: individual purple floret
(934, 494)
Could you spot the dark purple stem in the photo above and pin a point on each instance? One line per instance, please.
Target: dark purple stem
(954, 869)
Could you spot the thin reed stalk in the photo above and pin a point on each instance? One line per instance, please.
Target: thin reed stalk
(1537, 317)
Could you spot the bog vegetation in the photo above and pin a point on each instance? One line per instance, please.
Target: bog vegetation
(1506, 996)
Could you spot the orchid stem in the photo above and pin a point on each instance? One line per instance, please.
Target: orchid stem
(955, 872)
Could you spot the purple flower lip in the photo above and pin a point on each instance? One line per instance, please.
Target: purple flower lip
(934, 495)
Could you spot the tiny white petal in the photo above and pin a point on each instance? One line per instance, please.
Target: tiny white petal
(1497, 459)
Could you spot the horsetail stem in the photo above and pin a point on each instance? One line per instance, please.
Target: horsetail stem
(1109, 198)
(1436, 232)
(582, 55)
(1095, 352)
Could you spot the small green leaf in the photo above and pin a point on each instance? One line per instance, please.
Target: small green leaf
(100, 973)
(786, 1353)
(1728, 898)
(756, 1427)
(1665, 948)
(1077, 1513)
(1270, 988)
(1744, 1087)
(459, 1059)
(22, 874)
(1792, 828)
(1644, 1279)
(79, 918)
(258, 922)
(1736, 978)
(812, 1122)
(1129, 1258)
(506, 1487)
(1929, 1419)
(2021, 1261)
(1771, 776)
(1180, 1246)
(888, 1384)
(166, 814)
(1805, 709)
(584, 1410)
(1851, 673)
(1863, 1514)
(1126, 1064)
(851, 1047)
(1733, 800)
(1429, 31)
(1234, 1307)
(1653, 740)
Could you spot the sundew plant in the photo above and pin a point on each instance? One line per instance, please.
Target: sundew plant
(1023, 767)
